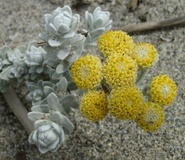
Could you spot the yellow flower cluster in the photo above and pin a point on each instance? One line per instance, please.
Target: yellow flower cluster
(117, 77)
(163, 90)
(86, 72)
(151, 118)
(126, 103)
(94, 105)
(120, 70)
(115, 43)
(144, 54)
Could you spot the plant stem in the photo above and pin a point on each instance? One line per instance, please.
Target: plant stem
(19, 110)
(142, 75)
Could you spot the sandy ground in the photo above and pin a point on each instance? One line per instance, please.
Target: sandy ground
(22, 20)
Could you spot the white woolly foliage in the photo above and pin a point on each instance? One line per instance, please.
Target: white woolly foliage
(45, 68)
(97, 23)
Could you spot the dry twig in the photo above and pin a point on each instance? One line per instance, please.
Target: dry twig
(133, 28)
(19, 110)
(133, 4)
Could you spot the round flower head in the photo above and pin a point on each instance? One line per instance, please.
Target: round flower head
(86, 72)
(126, 103)
(94, 105)
(163, 90)
(120, 71)
(144, 54)
(115, 43)
(151, 118)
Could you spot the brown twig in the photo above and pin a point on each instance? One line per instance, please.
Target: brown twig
(19, 110)
(133, 28)
(133, 4)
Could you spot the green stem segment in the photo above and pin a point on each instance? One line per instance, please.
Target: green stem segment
(19, 110)
(142, 75)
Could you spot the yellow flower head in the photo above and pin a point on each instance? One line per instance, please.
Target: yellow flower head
(94, 105)
(144, 54)
(86, 72)
(115, 43)
(120, 70)
(163, 90)
(151, 118)
(126, 103)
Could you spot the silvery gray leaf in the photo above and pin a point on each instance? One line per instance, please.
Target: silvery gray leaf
(70, 101)
(108, 25)
(48, 83)
(63, 28)
(20, 49)
(33, 137)
(51, 58)
(48, 136)
(4, 52)
(63, 67)
(64, 52)
(48, 90)
(62, 85)
(98, 23)
(56, 76)
(4, 75)
(44, 36)
(75, 22)
(89, 21)
(39, 69)
(72, 58)
(97, 32)
(6, 62)
(69, 35)
(61, 119)
(32, 86)
(53, 101)
(67, 8)
(53, 42)
(34, 116)
(41, 108)
(97, 9)
(47, 18)
(32, 70)
(52, 29)
(41, 122)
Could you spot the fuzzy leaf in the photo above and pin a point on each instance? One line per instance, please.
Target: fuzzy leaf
(63, 28)
(5, 73)
(41, 108)
(63, 52)
(48, 90)
(32, 86)
(56, 76)
(53, 42)
(89, 21)
(47, 18)
(61, 119)
(53, 101)
(62, 85)
(70, 101)
(48, 83)
(62, 67)
(34, 116)
(97, 32)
